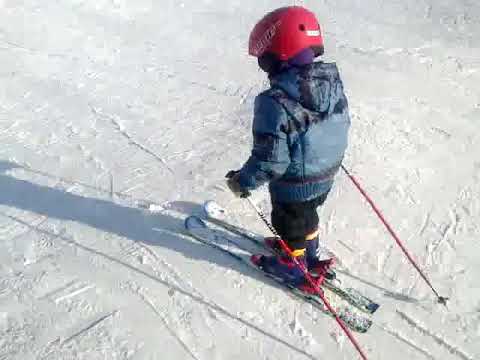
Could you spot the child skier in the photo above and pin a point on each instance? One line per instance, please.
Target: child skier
(300, 130)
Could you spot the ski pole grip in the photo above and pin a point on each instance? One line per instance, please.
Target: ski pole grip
(245, 195)
(230, 175)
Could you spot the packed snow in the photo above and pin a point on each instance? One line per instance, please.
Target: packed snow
(120, 118)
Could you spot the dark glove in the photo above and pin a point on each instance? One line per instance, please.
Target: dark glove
(234, 186)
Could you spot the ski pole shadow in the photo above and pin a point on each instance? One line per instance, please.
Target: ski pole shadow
(387, 293)
(187, 208)
(133, 223)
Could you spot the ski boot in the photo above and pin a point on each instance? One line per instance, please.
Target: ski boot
(284, 268)
(319, 259)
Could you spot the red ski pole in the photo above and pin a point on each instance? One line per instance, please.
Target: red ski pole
(441, 299)
(312, 282)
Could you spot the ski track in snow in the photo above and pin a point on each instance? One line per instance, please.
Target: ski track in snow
(437, 337)
(123, 132)
(87, 328)
(170, 330)
(408, 342)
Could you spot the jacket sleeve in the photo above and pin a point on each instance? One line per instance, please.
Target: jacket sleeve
(270, 156)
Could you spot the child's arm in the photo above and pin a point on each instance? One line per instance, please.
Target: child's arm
(270, 156)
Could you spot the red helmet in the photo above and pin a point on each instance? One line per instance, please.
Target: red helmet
(285, 32)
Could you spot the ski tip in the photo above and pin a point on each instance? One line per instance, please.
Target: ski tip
(366, 326)
(212, 209)
(372, 307)
(194, 222)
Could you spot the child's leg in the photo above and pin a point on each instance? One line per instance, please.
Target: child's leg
(316, 250)
(289, 222)
(294, 221)
(297, 224)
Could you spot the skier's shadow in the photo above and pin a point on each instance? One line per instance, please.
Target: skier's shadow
(134, 223)
(130, 222)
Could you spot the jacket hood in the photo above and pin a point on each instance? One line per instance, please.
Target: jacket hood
(311, 85)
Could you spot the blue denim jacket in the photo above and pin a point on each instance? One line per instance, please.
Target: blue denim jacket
(300, 132)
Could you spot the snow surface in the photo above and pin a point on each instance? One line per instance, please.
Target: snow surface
(119, 117)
